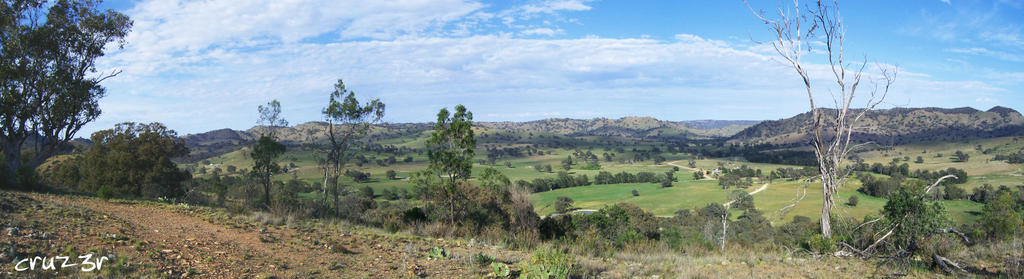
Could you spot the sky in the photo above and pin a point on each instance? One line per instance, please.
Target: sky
(198, 66)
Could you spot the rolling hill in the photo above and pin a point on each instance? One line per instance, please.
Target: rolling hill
(217, 142)
(897, 126)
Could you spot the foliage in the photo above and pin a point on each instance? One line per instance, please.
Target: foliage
(500, 270)
(563, 205)
(263, 154)
(852, 201)
(961, 156)
(354, 119)
(741, 200)
(549, 264)
(48, 79)
(911, 218)
(131, 159)
(1002, 217)
(450, 149)
(636, 193)
(493, 180)
(482, 259)
(437, 253)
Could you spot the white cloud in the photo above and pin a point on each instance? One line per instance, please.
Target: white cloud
(1013, 57)
(542, 31)
(554, 6)
(195, 79)
(946, 1)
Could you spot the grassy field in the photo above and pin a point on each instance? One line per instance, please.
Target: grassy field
(686, 193)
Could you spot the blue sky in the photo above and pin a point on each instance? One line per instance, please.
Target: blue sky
(203, 65)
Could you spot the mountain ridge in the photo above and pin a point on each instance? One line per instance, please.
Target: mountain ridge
(896, 126)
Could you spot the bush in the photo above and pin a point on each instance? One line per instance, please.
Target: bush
(636, 193)
(548, 263)
(563, 204)
(105, 192)
(366, 191)
(999, 218)
(391, 174)
(437, 253)
(482, 259)
(852, 201)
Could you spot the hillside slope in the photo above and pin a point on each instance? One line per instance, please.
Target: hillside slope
(217, 142)
(897, 126)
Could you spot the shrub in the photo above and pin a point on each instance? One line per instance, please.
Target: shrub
(852, 201)
(500, 270)
(366, 191)
(437, 253)
(636, 193)
(563, 204)
(391, 174)
(999, 218)
(105, 192)
(482, 259)
(548, 263)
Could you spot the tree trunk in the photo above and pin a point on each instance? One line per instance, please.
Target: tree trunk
(12, 157)
(826, 210)
(725, 226)
(266, 192)
(323, 199)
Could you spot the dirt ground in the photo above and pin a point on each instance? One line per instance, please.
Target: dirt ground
(156, 240)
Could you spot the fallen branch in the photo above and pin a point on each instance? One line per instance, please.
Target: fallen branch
(872, 246)
(848, 246)
(954, 231)
(945, 264)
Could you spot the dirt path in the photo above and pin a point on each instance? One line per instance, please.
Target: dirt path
(207, 249)
(673, 163)
(758, 190)
(186, 242)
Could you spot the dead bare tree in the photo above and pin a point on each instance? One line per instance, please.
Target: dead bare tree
(832, 130)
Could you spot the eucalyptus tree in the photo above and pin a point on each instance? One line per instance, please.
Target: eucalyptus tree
(49, 84)
(347, 121)
(451, 148)
(267, 149)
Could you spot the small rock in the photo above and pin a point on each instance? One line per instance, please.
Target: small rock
(45, 235)
(263, 230)
(12, 231)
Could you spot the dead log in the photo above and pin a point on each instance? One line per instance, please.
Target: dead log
(945, 264)
(956, 232)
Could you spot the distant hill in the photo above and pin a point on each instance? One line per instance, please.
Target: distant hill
(897, 126)
(636, 127)
(216, 142)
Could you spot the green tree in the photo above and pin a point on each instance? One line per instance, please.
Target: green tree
(853, 201)
(1000, 219)
(347, 120)
(135, 160)
(563, 204)
(267, 149)
(391, 174)
(911, 218)
(450, 149)
(741, 200)
(961, 156)
(49, 88)
(263, 154)
(493, 180)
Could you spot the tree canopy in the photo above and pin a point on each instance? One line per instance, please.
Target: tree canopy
(49, 87)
